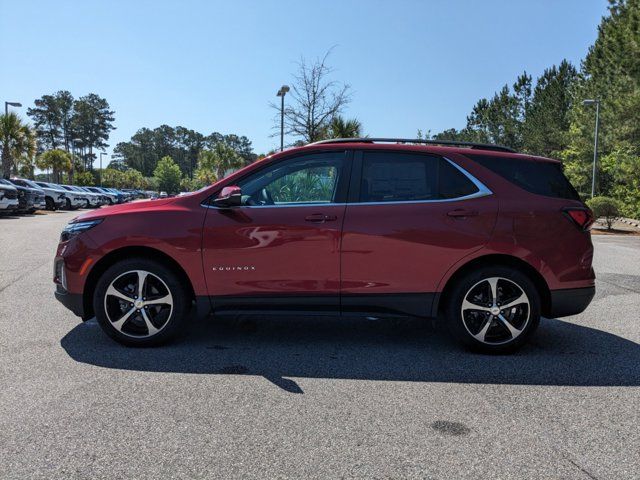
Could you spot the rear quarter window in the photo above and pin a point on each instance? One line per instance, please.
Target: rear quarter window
(535, 176)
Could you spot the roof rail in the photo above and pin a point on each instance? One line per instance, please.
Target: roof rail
(446, 143)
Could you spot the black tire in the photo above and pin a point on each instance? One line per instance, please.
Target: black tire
(476, 287)
(87, 204)
(168, 329)
(50, 205)
(67, 204)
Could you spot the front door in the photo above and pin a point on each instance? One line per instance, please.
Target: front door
(280, 250)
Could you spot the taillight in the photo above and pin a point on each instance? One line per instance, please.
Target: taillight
(582, 217)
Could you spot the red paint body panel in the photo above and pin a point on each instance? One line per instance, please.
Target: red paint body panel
(284, 253)
(171, 226)
(406, 247)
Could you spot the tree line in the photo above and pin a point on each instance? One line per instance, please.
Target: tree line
(542, 116)
(548, 117)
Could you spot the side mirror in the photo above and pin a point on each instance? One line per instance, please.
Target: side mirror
(229, 197)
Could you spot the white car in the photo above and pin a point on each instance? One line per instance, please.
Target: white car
(75, 199)
(94, 200)
(8, 198)
(111, 197)
(54, 196)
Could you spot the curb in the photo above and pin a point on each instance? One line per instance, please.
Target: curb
(629, 221)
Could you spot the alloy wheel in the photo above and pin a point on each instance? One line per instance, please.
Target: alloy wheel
(495, 311)
(138, 304)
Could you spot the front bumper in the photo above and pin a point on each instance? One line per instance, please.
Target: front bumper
(73, 301)
(570, 301)
(8, 204)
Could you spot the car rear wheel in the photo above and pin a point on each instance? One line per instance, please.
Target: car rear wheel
(140, 302)
(493, 310)
(49, 203)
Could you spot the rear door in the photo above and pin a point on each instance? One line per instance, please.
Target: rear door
(410, 217)
(280, 250)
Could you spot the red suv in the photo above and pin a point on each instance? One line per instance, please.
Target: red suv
(484, 237)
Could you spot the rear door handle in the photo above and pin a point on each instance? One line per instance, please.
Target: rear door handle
(462, 213)
(320, 218)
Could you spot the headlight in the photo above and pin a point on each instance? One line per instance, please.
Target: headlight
(73, 229)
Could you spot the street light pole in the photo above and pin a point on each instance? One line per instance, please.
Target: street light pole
(281, 93)
(595, 102)
(101, 153)
(13, 104)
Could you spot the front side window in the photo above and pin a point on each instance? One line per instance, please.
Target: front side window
(311, 179)
(402, 177)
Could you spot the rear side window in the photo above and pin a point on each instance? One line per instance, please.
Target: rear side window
(398, 177)
(539, 177)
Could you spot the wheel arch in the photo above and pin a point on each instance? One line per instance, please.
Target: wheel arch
(122, 254)
(497, 260)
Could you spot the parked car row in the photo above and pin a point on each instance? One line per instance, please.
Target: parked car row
(19, 195)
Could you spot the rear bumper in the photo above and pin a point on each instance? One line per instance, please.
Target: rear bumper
(570, 301)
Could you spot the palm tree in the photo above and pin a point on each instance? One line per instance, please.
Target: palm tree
(25, 163)
(58, 161)
(342, 128)
(215, 164)
(17, 140)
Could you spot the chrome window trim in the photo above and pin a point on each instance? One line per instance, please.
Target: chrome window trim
(483, 191)
(278, 206)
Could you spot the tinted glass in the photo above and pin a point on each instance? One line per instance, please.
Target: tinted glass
(304, 180)
(399, 177)
(539, 177)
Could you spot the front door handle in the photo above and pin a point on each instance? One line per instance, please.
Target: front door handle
(462, 213)
(320, 218)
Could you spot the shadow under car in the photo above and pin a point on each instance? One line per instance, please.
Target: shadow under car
(560, 353)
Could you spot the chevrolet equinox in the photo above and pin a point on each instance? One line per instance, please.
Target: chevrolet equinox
(485, 238)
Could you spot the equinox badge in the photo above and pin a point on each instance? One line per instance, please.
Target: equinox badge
(245, 268)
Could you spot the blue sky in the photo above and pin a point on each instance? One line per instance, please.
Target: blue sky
(215, 66)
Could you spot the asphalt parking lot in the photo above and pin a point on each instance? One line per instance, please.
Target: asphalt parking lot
(305, 398)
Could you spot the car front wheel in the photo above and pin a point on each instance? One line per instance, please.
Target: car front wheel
(140, 302)
(493, 310)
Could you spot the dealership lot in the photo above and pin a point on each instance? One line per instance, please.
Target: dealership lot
(265, 398)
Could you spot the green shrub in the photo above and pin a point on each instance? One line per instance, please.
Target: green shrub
(604, 207)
